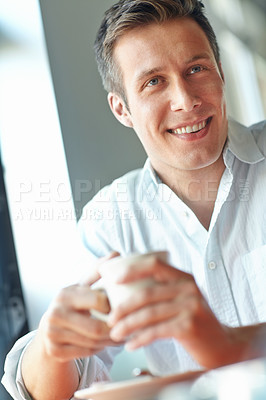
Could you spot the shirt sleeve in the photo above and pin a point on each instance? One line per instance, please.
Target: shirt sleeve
(12, 379)
(90, 369)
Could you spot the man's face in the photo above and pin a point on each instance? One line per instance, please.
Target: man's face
(175, 95)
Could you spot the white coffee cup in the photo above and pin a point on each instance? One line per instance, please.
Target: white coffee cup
(117, 293)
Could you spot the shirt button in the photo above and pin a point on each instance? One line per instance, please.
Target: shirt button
(186, 214)
(212, 265)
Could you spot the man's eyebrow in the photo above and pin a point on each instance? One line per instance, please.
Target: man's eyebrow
(200, 56)
(148, 72)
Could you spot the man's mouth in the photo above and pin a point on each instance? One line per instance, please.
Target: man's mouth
(190, 128)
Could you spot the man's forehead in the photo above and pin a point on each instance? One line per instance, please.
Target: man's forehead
(147, 49)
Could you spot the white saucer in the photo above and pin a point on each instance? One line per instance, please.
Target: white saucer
(140, 388)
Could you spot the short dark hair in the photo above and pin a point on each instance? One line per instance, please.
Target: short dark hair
(128, 14)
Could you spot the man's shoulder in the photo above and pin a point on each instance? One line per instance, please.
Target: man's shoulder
(259, 133)
(259, 126)
(247, 143)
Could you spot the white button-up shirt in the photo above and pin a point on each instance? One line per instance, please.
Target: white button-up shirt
(139, 213)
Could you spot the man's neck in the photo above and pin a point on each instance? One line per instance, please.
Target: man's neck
(197, 189)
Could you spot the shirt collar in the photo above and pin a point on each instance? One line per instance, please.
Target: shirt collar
(242, 144)
(150, 173)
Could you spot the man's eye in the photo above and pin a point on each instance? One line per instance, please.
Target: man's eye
(195, 69)
(153, 82)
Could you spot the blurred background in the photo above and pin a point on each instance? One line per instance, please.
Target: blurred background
(59, 143)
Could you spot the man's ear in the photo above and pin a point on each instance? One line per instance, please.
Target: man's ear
(119, 109)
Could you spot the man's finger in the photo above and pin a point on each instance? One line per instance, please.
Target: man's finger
(94, 274)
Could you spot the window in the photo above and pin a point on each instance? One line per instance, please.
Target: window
(36, 176)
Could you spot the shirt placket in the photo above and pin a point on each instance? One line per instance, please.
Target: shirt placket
(220, 295)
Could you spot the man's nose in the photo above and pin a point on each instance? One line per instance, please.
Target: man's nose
(183, 96)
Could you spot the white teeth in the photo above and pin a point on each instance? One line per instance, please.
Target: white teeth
(190, 129)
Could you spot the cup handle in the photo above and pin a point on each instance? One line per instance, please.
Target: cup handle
(99, 315)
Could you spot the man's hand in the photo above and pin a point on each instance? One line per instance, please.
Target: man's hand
(68, 329)
(174, 307)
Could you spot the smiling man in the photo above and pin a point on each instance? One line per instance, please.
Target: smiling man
(175, 102)
(200, 196)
